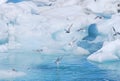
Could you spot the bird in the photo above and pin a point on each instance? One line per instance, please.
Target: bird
(98, 17)
(88, 11)
(57, 61)
(14, 70)
(115, 32)
(38, 50)
(118, 5)
(68, 30)
(72, 42)
(80, 29)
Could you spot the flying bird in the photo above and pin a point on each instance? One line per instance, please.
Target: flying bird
(57, 61)
(115, 32)
(80, 29)
(68, 30)
(72, 42)
(98, 17)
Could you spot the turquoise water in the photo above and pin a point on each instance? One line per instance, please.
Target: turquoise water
(41, 67)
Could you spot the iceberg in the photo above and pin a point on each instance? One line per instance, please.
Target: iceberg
(89, 26)
(109, 52)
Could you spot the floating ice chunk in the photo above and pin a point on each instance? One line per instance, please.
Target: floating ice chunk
(50, 22)
(102, 57)
(109, 52)
(3, 48)
(4, 74)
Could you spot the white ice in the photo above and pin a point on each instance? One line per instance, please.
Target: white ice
(109, 52)
(34, 25)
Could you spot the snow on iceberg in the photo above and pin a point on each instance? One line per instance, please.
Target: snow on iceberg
(109, 52)
(50, 23)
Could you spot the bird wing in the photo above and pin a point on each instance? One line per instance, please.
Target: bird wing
(70, 27)
(114, 29)
(118, 33)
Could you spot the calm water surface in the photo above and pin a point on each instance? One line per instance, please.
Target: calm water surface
(41, 67)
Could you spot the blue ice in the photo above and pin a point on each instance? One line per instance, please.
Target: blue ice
(92, 33)
(14, 1)
(91, 47)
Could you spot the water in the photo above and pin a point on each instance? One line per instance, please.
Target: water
(41, 67)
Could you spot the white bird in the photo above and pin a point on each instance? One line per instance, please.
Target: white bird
(98, 17)
(57, 61)
(115, 32)
(68, 30)
(80, 29)
(72, 42)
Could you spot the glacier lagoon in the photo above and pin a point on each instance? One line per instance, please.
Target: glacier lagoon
(82, 34)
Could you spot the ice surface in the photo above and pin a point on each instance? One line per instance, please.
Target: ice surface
(59, 26)
(109, 52)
